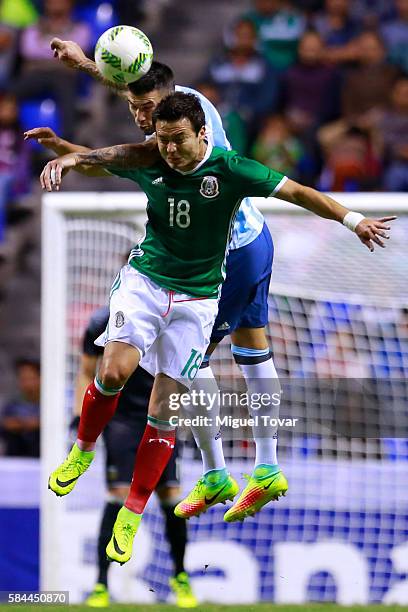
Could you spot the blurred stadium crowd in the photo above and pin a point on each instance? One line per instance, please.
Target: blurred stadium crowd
(317, 89)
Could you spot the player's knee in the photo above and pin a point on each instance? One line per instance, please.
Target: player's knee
(250, 337)
(118, 363)
(112, 375)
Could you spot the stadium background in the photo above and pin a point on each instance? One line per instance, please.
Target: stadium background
(348, 132)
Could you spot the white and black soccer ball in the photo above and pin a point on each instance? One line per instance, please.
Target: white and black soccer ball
(123, 54)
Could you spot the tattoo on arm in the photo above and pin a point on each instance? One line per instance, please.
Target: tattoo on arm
(124, 157)
(90, 68)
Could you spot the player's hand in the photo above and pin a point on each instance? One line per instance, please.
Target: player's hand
(51, 176)
(372, 231)
(68, 52)
(44, 136)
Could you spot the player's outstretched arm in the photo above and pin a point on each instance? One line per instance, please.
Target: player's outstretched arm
(46, 137)
(70, 53)
(121, 157)
(369, 231)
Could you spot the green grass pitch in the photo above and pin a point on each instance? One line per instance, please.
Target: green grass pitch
(270, 607)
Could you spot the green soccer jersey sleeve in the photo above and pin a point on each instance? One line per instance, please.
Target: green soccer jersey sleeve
(255, 179)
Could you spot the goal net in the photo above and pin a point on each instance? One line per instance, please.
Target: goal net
(338, 328)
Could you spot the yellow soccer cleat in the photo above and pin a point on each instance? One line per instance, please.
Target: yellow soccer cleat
(181, 587)
(120, 545)
(64, 478)
(260, 490)
(99, 598)
(206, 494)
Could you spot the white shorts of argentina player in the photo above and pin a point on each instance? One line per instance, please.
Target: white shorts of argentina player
(171, 330)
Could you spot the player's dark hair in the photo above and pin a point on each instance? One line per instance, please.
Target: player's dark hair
(159, 76)
(178, 106)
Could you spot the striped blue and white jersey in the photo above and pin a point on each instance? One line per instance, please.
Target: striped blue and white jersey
(249, 220)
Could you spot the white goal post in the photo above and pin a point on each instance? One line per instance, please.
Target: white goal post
(318, 263)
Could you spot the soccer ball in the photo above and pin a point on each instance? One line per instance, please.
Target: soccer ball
(123, 54)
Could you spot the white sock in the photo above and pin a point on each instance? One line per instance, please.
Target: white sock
(207, 437)
(261, 380)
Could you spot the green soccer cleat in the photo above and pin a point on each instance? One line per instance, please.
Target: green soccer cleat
(64, 478)
(99, 598)
(181, 587)
(206, 494)
(260, 490)
(119, 548)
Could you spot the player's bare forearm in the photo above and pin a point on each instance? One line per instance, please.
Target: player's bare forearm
(89, 67)
(123, 157)
(315, 201)
(92, 171)
(64, 147)
(82, 168)
(71, 55)
(46, 137)
(368, 231)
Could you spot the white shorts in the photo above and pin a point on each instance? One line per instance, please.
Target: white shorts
(171, 330)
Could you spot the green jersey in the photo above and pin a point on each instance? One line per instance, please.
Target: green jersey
(190, 217)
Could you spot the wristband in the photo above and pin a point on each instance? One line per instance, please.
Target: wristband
(352, 219)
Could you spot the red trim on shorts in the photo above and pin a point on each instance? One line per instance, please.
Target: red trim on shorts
(171, 293)
(207, 297)
(172, 300)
